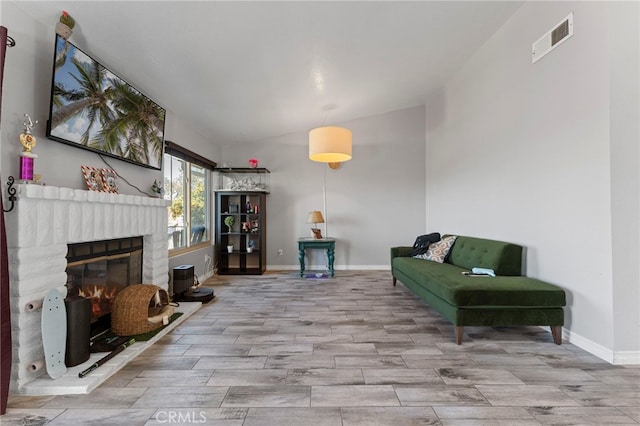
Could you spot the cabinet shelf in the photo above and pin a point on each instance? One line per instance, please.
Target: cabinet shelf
(236, 204)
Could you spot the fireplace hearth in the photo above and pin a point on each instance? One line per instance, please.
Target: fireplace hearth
(45, 221)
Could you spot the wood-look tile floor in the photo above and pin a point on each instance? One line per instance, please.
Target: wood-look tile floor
(353, 350)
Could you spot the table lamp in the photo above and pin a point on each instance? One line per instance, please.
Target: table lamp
(315, 217)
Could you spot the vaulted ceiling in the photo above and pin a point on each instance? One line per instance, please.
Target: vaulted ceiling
(246, 71)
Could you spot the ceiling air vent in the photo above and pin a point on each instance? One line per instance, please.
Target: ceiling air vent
(552, 39)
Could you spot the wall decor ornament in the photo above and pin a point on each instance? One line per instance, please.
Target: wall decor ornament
(109, 180)
(93, 178)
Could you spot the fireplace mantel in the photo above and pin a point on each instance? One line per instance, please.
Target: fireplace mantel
(44, 221)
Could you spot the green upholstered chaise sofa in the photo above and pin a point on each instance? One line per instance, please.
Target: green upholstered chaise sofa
(508, 299)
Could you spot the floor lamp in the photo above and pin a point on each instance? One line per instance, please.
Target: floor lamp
(330, 145)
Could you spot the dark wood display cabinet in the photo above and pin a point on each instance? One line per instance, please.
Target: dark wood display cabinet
(241, 233)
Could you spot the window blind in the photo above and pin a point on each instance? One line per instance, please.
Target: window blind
(176, 150)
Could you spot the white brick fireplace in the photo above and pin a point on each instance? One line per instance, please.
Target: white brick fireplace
(44, 221)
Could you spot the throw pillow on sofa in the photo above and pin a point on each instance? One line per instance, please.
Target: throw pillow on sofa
(437, 252)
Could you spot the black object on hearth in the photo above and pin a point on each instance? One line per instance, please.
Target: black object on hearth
(78, 330)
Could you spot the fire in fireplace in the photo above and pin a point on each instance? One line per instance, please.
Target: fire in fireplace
(98, 270)
(101, 298)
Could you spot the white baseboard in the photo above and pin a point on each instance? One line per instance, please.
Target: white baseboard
(335, 267)
(202, 278)
(626, 358)
(612, 357)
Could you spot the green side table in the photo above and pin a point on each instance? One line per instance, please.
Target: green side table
(328, 244)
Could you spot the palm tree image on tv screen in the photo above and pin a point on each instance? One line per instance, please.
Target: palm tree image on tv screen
(93, 108)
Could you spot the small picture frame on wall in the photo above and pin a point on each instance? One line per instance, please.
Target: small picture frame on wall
(109, 180)
(93, 178)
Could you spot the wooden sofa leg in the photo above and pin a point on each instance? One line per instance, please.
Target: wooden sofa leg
(394, 281)
(556, 333)
(459, 330)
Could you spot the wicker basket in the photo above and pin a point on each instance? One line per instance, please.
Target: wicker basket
(135, 309)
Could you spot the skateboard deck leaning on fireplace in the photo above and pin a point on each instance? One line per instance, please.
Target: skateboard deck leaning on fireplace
(54, 333)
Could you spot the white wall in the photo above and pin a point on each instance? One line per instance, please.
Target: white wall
(521, 152)
(374, 201)
(625, 174)
(26, 89)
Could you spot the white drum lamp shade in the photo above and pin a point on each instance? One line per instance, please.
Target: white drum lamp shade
(330, 144)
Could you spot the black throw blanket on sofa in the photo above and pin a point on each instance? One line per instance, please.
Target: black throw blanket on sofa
(422, 243)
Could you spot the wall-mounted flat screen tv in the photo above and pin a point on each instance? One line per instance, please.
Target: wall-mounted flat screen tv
(93, 108)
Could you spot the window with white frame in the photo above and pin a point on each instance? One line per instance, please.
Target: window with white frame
(187, 185)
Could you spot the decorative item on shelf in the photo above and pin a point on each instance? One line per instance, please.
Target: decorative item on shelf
(243, 179)
(255, 209)
(230, 248)
(254, 226)
(109, 180)
(253, 163)
(248, 206)
(156, 188)
(250, 246)
(28, 141)
(93, 178)
(234, 208)
(65, 25)
(229, 221)
(246, 226)
(315, 217)
(246, 184)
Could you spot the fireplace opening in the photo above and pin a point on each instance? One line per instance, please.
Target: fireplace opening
(99, 270)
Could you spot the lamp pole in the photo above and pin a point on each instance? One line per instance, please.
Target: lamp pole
(324, 196)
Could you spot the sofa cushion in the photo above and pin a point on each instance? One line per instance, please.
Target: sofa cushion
(447, 282)
(438, 251)
(503, 258)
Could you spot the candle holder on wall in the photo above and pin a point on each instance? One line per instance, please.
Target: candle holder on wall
(12, 194)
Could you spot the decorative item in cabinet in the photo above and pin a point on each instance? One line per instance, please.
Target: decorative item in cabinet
(247, 235)
(243, 179)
